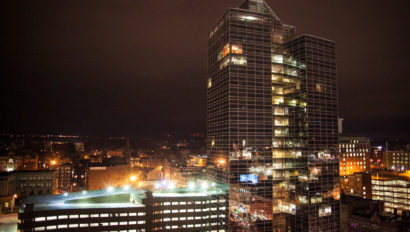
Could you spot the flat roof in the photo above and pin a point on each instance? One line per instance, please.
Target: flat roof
(123, 197)
(105, 198)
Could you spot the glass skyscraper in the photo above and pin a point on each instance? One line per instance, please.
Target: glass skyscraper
(272, 122)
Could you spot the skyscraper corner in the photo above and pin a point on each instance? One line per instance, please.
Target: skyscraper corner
(272, 122)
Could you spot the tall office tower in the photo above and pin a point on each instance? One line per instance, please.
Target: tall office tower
(272, 122)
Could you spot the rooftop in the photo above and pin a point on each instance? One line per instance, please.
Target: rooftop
(123, 197)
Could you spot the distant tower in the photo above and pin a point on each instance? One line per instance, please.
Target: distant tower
(127, 150)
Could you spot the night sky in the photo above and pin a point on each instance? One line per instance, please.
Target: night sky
(138, 67)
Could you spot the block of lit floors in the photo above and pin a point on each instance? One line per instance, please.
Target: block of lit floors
(199, 207)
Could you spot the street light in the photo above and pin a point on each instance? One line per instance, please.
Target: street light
(191, 185)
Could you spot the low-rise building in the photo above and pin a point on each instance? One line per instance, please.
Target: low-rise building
(7, 191)
(128, 209)
(101, 176)
(10, 163)
(181, 175)
(393, 189)
(32, 183)
(358, 184)
(396, 160)
(365, 215)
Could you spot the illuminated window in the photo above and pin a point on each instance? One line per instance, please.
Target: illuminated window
(240, 60)
(325, 211)
(281, 121)
(235, 49)
(277, 90)
(277, 58)
(276, 78)
(277, 69)
(277, 100)
(40, 219)
(249, 18)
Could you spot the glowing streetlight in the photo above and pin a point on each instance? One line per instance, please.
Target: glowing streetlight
(133, 178)
(84, 192)
(110, 189)
(126, 187)
(171, 185)
(204, 185)
(191, 185)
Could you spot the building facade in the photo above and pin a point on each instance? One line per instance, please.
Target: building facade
(360, 215)
(64, 176)
(358, 184)
(128, 209)
(272, 122)
(354, 155)
(393, 189)
(33, 183)
(7, 191)
(396, 160)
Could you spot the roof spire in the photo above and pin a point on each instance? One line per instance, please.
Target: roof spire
(258, 6)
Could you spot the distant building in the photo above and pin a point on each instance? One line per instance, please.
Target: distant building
(393, 189)
(81, 171)
(64, 176)
(11, 162)
(101, 177)
(358, 184)
(181, 175)
(7, 191)
(376, 157)
(354, 155)
(365, 215)
(33, 183)
(396, 160)
(115, 153)
(198, 161)
(79, 147)
(127, 209)
(30, 162)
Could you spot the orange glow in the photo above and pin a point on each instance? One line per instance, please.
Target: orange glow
(221, 161)
(139, 184)
(133, 178)
(53, 162)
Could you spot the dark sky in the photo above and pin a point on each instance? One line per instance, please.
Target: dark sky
(138, 67)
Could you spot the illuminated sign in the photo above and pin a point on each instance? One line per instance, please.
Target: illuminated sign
(253, 179)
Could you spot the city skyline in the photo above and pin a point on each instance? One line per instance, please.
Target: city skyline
(117, 69)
